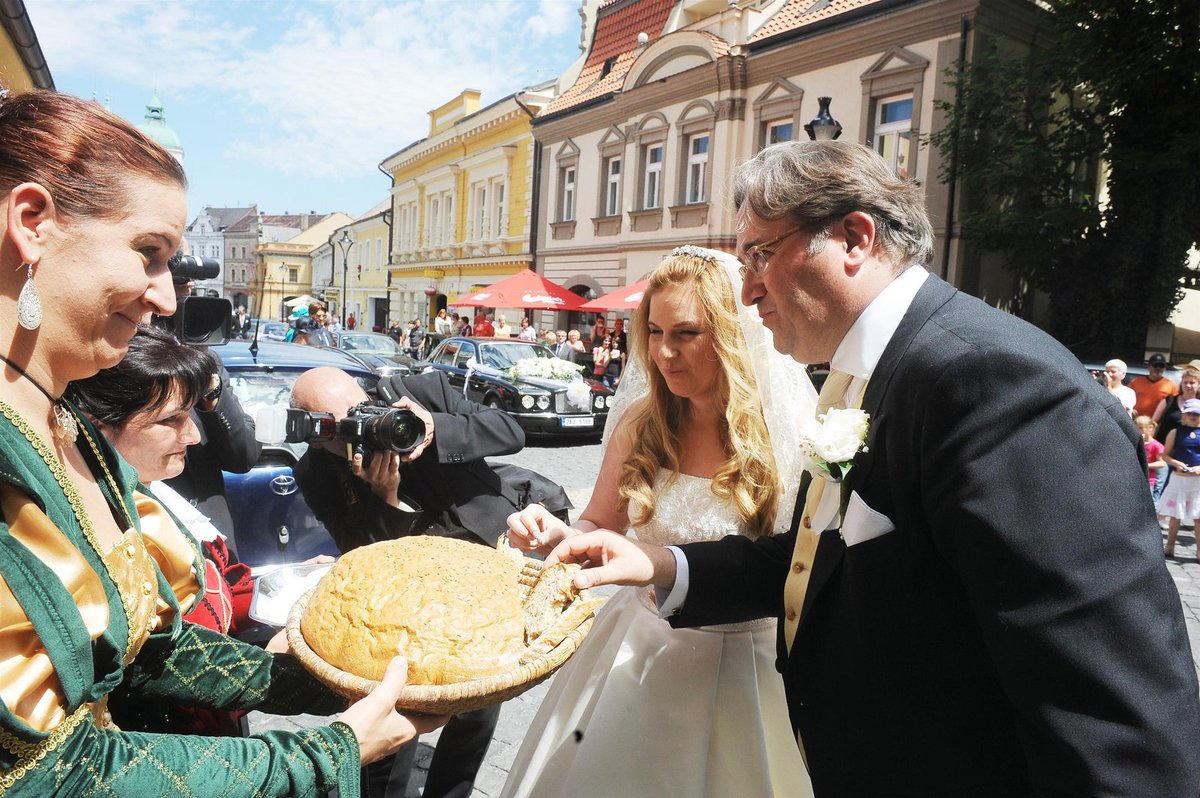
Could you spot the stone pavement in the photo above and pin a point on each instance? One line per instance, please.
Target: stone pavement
(574, 463)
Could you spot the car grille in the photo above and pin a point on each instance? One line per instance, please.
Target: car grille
(563, 407)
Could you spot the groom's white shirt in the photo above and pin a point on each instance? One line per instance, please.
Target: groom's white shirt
(857, 355)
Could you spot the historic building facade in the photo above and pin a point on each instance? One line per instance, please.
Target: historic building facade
(638, 152)
(461, 201)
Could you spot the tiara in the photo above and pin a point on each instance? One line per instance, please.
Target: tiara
(696, 252)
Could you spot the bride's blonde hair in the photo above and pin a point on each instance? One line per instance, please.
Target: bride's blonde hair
(747, 478)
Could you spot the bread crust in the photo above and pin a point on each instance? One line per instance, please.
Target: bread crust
(451, 607)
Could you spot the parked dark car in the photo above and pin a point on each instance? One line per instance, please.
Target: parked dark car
(487, 369)
(274, 524)
(380, 352)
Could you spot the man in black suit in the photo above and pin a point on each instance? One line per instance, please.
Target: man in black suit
(443, 487)
(961, 615)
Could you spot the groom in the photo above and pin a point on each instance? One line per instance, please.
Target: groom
(980, 607)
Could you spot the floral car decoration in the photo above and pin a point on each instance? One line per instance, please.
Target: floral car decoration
(579, 394)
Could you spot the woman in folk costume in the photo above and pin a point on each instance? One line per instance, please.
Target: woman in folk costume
(96, 574)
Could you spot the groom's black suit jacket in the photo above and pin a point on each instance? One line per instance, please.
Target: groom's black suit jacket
(1017, 632)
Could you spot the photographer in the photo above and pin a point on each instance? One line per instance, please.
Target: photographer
(444, 487)
(227, 441)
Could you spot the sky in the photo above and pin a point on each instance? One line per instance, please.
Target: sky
(292, 104)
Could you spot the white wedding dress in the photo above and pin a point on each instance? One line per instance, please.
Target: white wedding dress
(646, 710)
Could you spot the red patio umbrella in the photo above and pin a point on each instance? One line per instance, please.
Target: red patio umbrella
(523, 290)
(625, 298)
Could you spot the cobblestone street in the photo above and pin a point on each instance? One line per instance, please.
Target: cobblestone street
(574, 464)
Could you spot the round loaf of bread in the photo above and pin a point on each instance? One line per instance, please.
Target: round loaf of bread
(452, 608)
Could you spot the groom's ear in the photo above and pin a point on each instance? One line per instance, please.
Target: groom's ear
(857, 233)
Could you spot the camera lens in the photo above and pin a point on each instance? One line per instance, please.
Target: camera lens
(397, 430)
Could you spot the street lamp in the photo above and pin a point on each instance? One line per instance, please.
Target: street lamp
(346, 242)
(824, 127)
(282, 293)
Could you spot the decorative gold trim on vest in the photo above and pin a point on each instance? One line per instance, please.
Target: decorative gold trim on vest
(30, 754)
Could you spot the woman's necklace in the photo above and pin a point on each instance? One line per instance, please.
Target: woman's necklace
(76, 501)
(65, 428)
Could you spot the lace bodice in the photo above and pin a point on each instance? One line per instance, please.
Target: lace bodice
(688, 512)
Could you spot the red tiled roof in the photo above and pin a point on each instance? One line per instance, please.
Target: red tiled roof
(798, 13)
(617, 26)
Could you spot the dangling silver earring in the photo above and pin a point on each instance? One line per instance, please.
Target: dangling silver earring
(29, 303)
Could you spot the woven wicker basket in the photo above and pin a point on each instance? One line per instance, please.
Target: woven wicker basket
(546, 655)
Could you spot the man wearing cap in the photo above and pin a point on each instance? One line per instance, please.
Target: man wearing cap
(1152, 389)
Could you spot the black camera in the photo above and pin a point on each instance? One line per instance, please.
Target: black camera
(368, 427)
(189, 267)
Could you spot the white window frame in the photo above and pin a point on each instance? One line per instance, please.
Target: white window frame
(769, 136)
(496, 218)
(652, 176)
(378, 253)
(566, 193)
(612, 185)
(695, 190)
(897, 134)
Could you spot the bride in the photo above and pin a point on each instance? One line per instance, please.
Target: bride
(699, 446)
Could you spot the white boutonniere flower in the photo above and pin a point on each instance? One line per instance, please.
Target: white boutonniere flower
(832, 441)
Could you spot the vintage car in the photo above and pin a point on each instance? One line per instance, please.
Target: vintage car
(380, 352)
(274, 524)
(544, 394)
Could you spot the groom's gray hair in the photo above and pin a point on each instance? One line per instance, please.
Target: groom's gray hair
(816, 183)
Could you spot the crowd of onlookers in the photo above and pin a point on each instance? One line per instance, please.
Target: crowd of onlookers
(1168, 417)
(316, 326)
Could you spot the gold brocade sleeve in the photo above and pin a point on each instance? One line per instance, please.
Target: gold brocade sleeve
(29, 685)
(174, 551)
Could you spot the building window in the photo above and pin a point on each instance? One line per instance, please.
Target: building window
(893, 133)
(293, 274)
(434, 233)
(779, 131)
(243, 253)
(378, 254)
(566, 201)
(612, 186)
(480, 226)
(364, 256)
(697, 168)
(498, 210)
(652, 181)
(447, 233)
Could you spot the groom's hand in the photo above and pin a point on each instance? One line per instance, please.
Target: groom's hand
(611, 559)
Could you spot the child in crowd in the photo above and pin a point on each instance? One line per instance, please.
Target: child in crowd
(1154, 461)
(1154, 449)
(1180, 500)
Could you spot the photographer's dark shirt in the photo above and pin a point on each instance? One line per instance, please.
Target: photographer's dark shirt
(346, 505)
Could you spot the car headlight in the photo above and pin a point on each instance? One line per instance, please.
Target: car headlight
(543, 402)
(527, 402)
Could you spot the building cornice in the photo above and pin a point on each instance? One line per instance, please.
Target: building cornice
(15, 21)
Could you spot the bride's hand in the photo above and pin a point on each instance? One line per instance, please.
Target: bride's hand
(537, 529)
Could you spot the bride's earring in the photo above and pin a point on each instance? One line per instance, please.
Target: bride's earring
(29, 303)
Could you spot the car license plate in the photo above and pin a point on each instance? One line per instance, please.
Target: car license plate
(576, 421)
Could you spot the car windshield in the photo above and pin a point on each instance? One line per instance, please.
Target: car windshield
(502, 356)
(375, 344)
(257, 389)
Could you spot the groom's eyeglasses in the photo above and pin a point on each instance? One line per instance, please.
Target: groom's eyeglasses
(754, 262)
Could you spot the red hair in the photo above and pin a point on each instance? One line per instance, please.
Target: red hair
(79, 152)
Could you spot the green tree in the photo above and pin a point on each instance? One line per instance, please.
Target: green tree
(1114, 84)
